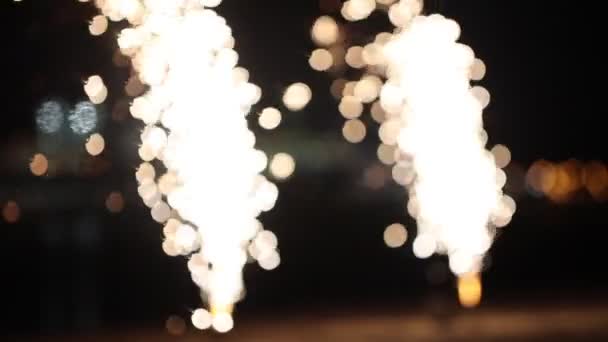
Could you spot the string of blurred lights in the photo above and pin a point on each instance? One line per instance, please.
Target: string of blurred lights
(197, 97)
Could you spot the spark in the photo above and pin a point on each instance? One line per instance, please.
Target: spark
(457, 195)
(417, 83)
(195, 112)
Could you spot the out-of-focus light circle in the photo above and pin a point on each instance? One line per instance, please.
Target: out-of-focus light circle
(95, 144)
(595, 179)
(395, 235)
(386, 154)
(83, 118)
(542, 177)
(269, 261)
(368, 89)
(354, 131)
(297, 96)
(99, 25)
(11, 212)
(354, 57)
(377, 112)
(321, 60)
(145, 173)
(222, 322)
(94, 86)
(372, 54)
(325, 31)
(49, 117)
(350, 107)
(502, 156)
(478, 70)
(115, 202)
(161, 212)
(201, 319)
(270, 118)
(402, 173)
(424, 246)
(389, 131)
(175, 326)
(482, 95)
(39, 164)
(282, 166)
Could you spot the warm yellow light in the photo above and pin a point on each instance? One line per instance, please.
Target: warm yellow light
(469, 290)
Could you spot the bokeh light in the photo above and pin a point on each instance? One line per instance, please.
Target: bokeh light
(282, 166)
(39, 164)
(115, 202)
(354, 131)
(325, 31)
(270, 118)
(11, 212)
(297, 96)
(95, 144)
(395, 235)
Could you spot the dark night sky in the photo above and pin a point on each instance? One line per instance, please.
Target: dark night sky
(68, 265)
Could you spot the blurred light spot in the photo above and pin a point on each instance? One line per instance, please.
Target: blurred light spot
(321, 60)
(175, 326)
(482, 95)
(350, 107)
(222, 322)
(354, 131)
(424, 246)
(478, 70)
(542, 176)
(269, 118)
(395, 235)
(403, 173)
(98, 25)
(595, 178)
(95, 144)
(201, 319)
(386, 154)
(354, 57)
(282, 166)
(83, 118)
(115, 202)
(469, 290)
(11, 212)
(567, 182)
(49, 117)
(269, 261)
(325, 31)
(377, 112)
(502, 156)
(297, 96)
(368, 89)
(39, 164)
